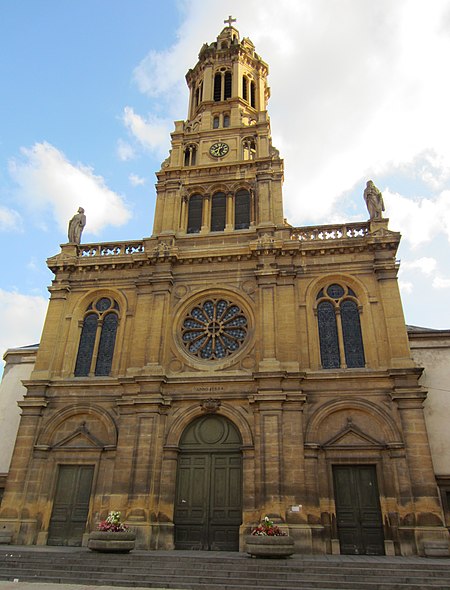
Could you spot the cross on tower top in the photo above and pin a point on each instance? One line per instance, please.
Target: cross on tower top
(229, 20)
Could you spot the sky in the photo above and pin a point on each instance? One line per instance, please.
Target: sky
(90, 90)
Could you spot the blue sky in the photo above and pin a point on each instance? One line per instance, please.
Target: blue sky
(90, 90)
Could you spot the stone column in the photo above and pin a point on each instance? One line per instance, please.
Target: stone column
(206, 214)
(428, 533)
(267, 292)
(229, 225)
(161, 290)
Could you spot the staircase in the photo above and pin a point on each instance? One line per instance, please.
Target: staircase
(195, 570)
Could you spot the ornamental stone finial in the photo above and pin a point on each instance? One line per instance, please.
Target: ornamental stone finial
(374, 201)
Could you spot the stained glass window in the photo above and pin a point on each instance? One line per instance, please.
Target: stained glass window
(214, 329)
(86, 346)
(338, 318)
(351, 332)
(328, 336)
(106, 345)
(99, 326)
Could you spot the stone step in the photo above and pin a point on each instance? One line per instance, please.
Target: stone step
(287, 573)
(222, 571)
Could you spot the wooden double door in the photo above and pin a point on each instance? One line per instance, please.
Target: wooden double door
(70, 505)
(208, 503)
(358, 512)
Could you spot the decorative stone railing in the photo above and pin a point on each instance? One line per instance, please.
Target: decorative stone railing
(117, 249)
(301, 234)
(313, 233)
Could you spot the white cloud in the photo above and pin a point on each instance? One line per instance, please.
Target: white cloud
(21, 317)
(354, 91)
(426, 264)
(136, 180)
(152, 133)
(125, 151)
(405, 287)
(441, 283)
(49, 181)
(10, 220)
(420, 219)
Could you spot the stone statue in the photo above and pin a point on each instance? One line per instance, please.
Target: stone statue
(374, 201)
(76, 226)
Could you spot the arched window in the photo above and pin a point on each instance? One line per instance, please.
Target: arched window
(242, 210)
(195, 212)
(218, 212)
(226, 120)
(340, 337)
(253, 94)
(227, 86)
(216, 122)
(190, 155)
(218, 87)
(222, 85)
(245, 87)
(98, 338)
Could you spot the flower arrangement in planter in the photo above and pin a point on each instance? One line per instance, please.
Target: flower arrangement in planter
(112, 535)
(112, 523)
(268, 540)
(267, 528)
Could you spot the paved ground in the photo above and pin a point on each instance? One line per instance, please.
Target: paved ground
(46, 586)
(38, 586)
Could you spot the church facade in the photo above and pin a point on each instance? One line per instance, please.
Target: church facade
(230, 366)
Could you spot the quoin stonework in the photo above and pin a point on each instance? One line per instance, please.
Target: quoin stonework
(230, 366)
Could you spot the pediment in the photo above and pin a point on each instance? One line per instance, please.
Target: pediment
(81, 438)
(352, 437)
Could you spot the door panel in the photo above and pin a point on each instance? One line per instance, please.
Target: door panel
(208, 509)
(358, 513)
(71, 505)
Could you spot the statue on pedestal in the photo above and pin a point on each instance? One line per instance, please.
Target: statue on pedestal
(76, 226)
(374, 201)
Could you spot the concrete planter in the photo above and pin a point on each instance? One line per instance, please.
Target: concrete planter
(270, 547)
(108, 542)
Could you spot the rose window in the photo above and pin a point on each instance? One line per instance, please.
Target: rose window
(214, 329)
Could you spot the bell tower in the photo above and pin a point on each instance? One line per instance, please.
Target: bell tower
(223, 176)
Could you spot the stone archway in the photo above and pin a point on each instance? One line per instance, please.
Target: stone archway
(208, 501)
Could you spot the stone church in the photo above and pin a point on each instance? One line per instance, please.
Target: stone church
(230, 366)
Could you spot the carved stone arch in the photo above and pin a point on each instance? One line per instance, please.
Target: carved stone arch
(81, 304)
(241, 185)
(363, 325)
(122, 307)
(200, 189)
(348, 280)
(331, 421)
(219, 187)
(186, 416)
(91, 421)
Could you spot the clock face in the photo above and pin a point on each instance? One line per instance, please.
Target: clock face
(219, 149)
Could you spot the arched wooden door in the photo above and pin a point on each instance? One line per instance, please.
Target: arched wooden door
(208, 503)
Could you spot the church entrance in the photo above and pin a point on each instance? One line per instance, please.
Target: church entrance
(358, 512)
(71, 505)
(208, 503)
